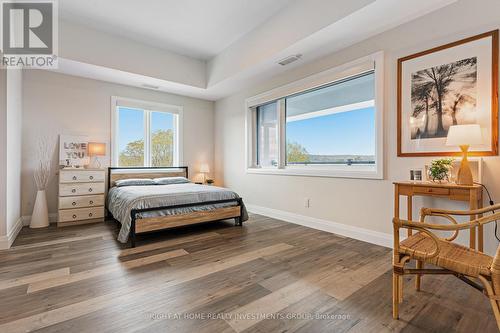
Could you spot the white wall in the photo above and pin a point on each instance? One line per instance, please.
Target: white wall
(56, 103)
(3, 156)
(366, 204)
(14, 139)
(10, 155)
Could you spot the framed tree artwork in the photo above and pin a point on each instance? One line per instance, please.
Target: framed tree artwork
(453, 84)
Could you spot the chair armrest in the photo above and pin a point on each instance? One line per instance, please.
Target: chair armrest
(446, 227)
(455, 226)
(424, 212)
(434, 211)
(420, 226)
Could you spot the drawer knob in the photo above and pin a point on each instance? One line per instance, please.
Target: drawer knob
(74, 177)
(73, 191)
(90, 214)
(90, 189)
(74, 216)
(91, 202)
(73, 203)
(91, 177)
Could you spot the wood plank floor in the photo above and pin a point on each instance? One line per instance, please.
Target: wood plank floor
(267, 276)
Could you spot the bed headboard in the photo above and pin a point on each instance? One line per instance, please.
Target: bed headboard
(117, 173)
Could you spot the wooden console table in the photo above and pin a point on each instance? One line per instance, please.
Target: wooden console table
(472, 194)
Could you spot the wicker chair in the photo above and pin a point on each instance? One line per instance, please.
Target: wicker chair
(467, 264)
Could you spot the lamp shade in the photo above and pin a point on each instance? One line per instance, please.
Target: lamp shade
(460, 135)
(204, 168)
(97, 149)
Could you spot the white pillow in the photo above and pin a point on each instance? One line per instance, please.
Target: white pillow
(134, 182)
(171, 180)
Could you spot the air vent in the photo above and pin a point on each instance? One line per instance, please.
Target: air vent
(150, 86)
(290, 59)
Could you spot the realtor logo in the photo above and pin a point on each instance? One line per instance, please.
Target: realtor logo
(29, 33)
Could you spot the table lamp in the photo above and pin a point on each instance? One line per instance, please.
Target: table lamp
(464, 136)
(97, 149)
(204, 169)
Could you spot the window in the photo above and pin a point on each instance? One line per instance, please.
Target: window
(267, 135)
(130, 137)
(333, 124)
(145, 134)
(326, 125)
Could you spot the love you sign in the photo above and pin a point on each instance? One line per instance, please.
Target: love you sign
(73, 150)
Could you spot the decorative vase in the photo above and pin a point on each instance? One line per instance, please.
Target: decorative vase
(40, 216)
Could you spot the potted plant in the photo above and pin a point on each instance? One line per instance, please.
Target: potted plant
(440, 170)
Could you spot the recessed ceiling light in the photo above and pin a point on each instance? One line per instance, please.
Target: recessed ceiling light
(290, 59)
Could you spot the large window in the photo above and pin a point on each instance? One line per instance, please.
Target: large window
(333, 124)
(145, 134)
(328, 125)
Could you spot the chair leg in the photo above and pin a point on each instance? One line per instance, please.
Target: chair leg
(496, 311)
(400, 288)
(493, 302)
(395, 296)
(419, 265)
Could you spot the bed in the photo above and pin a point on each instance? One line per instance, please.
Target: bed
(170, 201)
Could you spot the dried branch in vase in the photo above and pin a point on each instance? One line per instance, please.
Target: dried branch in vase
(43, 169)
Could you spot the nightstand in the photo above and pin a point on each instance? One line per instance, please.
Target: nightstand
(81, 196)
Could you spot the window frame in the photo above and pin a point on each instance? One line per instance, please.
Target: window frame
(148, 108)
(330, 76)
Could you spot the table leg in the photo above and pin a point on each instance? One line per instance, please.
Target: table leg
(396, 201)
(480, 232)
(473, 205)
(409, 208)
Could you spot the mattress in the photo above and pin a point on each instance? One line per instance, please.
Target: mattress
(121, 200)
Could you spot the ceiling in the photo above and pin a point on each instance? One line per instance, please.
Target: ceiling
(210, 49)
(196, 28)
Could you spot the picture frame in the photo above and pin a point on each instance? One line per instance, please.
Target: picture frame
(73, 150)
(453, 84)
(417, 174)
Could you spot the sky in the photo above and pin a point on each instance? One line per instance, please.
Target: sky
(131, 125)
(344, 133)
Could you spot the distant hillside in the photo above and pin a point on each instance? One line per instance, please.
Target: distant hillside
(340, 158)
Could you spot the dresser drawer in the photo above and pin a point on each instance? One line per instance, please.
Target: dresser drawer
(71, 176)
(81, 214)
(75, 189)
(80, 202)
(431, 190)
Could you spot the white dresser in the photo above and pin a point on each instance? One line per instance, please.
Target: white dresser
(81, 196)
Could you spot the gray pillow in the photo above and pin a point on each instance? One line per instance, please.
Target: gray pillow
(134, 182)
(171, 180)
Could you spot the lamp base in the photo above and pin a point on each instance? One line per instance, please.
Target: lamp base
(464, 175)
(96, 164)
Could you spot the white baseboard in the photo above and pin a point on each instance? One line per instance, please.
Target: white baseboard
(27, 219)
(366, 235)
(6, 241)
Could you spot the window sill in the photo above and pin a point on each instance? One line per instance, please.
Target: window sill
(354, 171)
